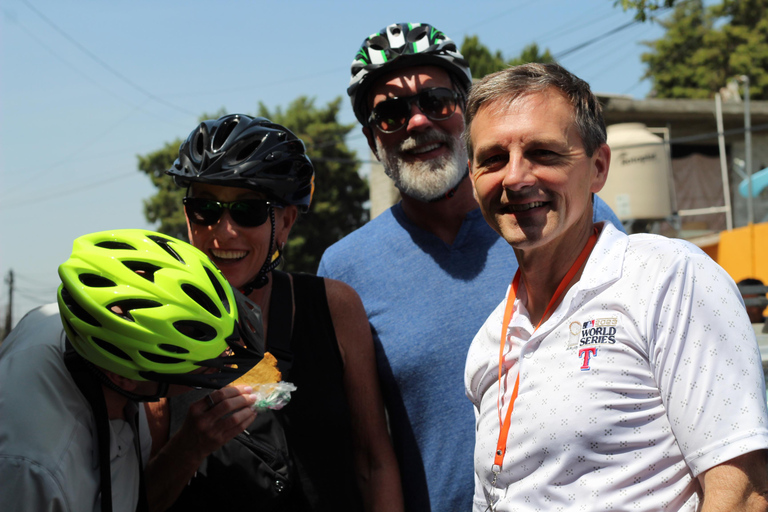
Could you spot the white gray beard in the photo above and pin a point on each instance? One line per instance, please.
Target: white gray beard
(426, 180)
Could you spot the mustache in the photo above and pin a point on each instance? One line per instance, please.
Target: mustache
(423, 138)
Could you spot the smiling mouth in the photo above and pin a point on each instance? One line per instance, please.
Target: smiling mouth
(424, 149)
(228, 255)
(524, 207)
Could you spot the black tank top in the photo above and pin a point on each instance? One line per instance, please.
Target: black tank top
(316, 423)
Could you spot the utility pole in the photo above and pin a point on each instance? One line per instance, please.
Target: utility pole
(748, 147)
(8, 314)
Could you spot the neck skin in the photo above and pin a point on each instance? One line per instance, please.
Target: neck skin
(543, 268)
(442, 218)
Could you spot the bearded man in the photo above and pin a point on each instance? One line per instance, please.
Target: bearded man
(429, 270)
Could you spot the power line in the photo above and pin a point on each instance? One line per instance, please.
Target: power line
(43, 170)
(103, 64)
(499, 15)
(580, 46)
(5, 205)
(576, 25)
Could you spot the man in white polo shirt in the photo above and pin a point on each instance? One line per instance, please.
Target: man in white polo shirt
(629, 377)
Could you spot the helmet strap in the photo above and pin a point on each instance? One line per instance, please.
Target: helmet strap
(274, 258)
(162, 387)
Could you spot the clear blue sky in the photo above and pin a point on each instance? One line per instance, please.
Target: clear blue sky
(87, 85)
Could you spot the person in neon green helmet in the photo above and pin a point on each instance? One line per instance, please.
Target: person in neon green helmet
(139, 315)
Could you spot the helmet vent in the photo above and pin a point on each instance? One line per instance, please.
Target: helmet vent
(199, 145)
(158, 358)
(109, 347)
(115, 245)
(379, 43)
(123, 308)
(173, 348)
(246, 318)
(203, 300)
(219, 290)
(199, 331)
(247, 150)
(94, 281)
(76, 309)
(142, 268)
(165, 244)
(223, 133)
(416, 34)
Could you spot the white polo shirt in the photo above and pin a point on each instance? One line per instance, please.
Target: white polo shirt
(647, 374)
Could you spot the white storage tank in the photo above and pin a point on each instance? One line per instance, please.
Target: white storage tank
(638, 185)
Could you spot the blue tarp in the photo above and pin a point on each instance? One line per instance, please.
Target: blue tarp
(759, 182)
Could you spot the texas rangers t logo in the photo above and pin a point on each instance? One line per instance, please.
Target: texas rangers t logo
(586, 354)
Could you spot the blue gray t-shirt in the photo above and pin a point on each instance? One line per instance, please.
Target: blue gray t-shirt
(425, 302)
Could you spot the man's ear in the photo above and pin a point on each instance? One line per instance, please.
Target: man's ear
(472, 180)
(601, 163)
(371, 141)
(123, 382)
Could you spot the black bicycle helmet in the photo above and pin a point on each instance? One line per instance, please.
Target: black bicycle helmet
(248, 152)
(398, 46)
(150, 307)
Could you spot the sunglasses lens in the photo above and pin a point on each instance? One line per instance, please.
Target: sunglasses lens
(206, 212)
(437, 104)
(202, 211)
(249, 213)
(391, 115)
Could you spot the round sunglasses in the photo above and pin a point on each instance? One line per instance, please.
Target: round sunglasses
(438, 104)
(248, 213)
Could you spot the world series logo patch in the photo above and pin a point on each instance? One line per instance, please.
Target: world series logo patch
(599, 331)
(587, 336)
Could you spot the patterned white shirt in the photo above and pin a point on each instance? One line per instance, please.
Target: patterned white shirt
(647, 374)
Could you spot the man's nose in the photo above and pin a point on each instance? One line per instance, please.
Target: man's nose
(418, 121)
(518, 174)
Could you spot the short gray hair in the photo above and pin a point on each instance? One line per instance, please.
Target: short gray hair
(513, 82)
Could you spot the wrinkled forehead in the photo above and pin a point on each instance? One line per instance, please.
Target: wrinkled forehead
(409, 80)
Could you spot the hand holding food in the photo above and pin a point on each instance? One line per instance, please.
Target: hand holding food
(264, 378)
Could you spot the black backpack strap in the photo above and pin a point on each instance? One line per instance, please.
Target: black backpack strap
(91, 389)
(281, 322)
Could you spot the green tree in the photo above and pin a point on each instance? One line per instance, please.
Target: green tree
(338, 203)
(645, 8)
(704, 48)
(165, 206)
(340, 193)
(482, 61)
(531, 53)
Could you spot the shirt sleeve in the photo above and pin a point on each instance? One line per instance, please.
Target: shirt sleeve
(706, 360)
(29, 487)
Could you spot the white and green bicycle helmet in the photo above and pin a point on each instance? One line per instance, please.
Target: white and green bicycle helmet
(398, 46)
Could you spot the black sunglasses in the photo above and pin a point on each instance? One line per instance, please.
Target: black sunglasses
(437, 104)
(248, 213)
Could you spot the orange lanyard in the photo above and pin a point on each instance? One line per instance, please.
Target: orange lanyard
(501, 446)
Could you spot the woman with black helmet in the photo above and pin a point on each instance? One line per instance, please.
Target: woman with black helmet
(246, 180)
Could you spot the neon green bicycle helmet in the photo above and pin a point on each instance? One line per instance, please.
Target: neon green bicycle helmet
(150, 307)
